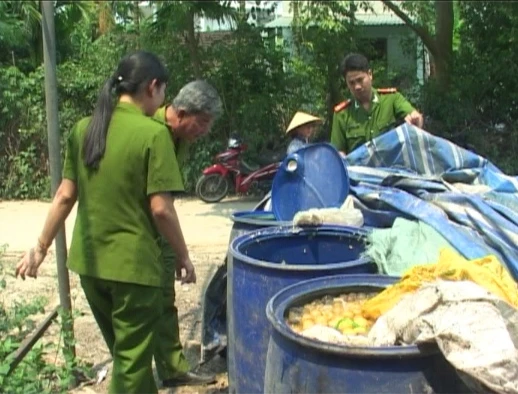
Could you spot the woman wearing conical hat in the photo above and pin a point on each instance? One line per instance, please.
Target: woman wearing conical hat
(301, 129)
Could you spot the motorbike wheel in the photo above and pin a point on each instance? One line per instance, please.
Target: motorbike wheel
(212, 188)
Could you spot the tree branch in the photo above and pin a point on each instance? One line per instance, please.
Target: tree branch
(421, 31)
(444, 26)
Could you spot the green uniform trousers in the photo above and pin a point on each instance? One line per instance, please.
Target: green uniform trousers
(169, 358)
(128, 315)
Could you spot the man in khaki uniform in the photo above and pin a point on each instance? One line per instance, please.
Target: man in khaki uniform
(190, 116)
(371, 112)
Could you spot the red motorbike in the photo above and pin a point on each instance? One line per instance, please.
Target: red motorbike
(232, 172)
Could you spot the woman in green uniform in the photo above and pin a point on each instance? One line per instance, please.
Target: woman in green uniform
(120, 167)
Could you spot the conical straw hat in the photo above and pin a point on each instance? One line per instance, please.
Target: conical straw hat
(300, 119)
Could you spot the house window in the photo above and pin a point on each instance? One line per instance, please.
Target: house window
(379, 49)
(375, 49)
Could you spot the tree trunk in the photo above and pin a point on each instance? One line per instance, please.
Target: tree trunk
(333, 95)
(242, 16)
(136, 10)
(440, 46)
(104, 17)
(192, 45)
(37, 42)
(444, 21)
(295, 26)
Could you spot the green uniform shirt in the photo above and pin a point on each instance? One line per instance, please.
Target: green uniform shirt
(353, 125)
(114, 236)
(181, 146)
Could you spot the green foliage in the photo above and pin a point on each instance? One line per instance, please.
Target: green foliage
(253, 88)
(23, 163)
(23, 131)
(421, 12)
(176, 14)
(324, 32)
(38, 372)
(488, 31)
(481, 106)
(262, 81)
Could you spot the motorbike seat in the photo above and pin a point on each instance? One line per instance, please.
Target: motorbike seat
(271, 157)
(248, 168)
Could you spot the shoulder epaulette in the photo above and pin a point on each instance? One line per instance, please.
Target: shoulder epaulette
(343, 105)
(387, 90)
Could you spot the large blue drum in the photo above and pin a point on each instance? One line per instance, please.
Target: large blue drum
(263, 262)
(296, 364)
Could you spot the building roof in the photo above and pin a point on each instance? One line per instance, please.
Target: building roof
(379, 19)
(364, 19)
(283, 21)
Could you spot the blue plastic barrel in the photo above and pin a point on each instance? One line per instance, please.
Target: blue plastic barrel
(296, 364)
(314, 176)
(214, 334)
(247, 221)
(265, 261)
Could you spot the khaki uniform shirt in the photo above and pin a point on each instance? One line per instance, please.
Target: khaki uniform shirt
(353, 125)
(181, 146)
(114, 236)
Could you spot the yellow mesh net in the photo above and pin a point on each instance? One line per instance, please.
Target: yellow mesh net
(487, 272)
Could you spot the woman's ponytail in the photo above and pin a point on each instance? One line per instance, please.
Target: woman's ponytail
(133, 74)
(95, 139)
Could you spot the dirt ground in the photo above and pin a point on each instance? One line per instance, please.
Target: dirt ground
(206, 229)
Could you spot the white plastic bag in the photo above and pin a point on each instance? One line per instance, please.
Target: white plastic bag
(346, 215)
(476, 331)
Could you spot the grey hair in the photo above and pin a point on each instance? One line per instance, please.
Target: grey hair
(198, 96)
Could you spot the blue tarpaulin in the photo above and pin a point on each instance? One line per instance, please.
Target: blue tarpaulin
(411, 173)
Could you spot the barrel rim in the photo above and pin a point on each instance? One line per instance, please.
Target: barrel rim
(236, 218)
(271, 232)
(276, 317)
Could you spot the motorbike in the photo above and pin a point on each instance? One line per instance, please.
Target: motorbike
(231, 172)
